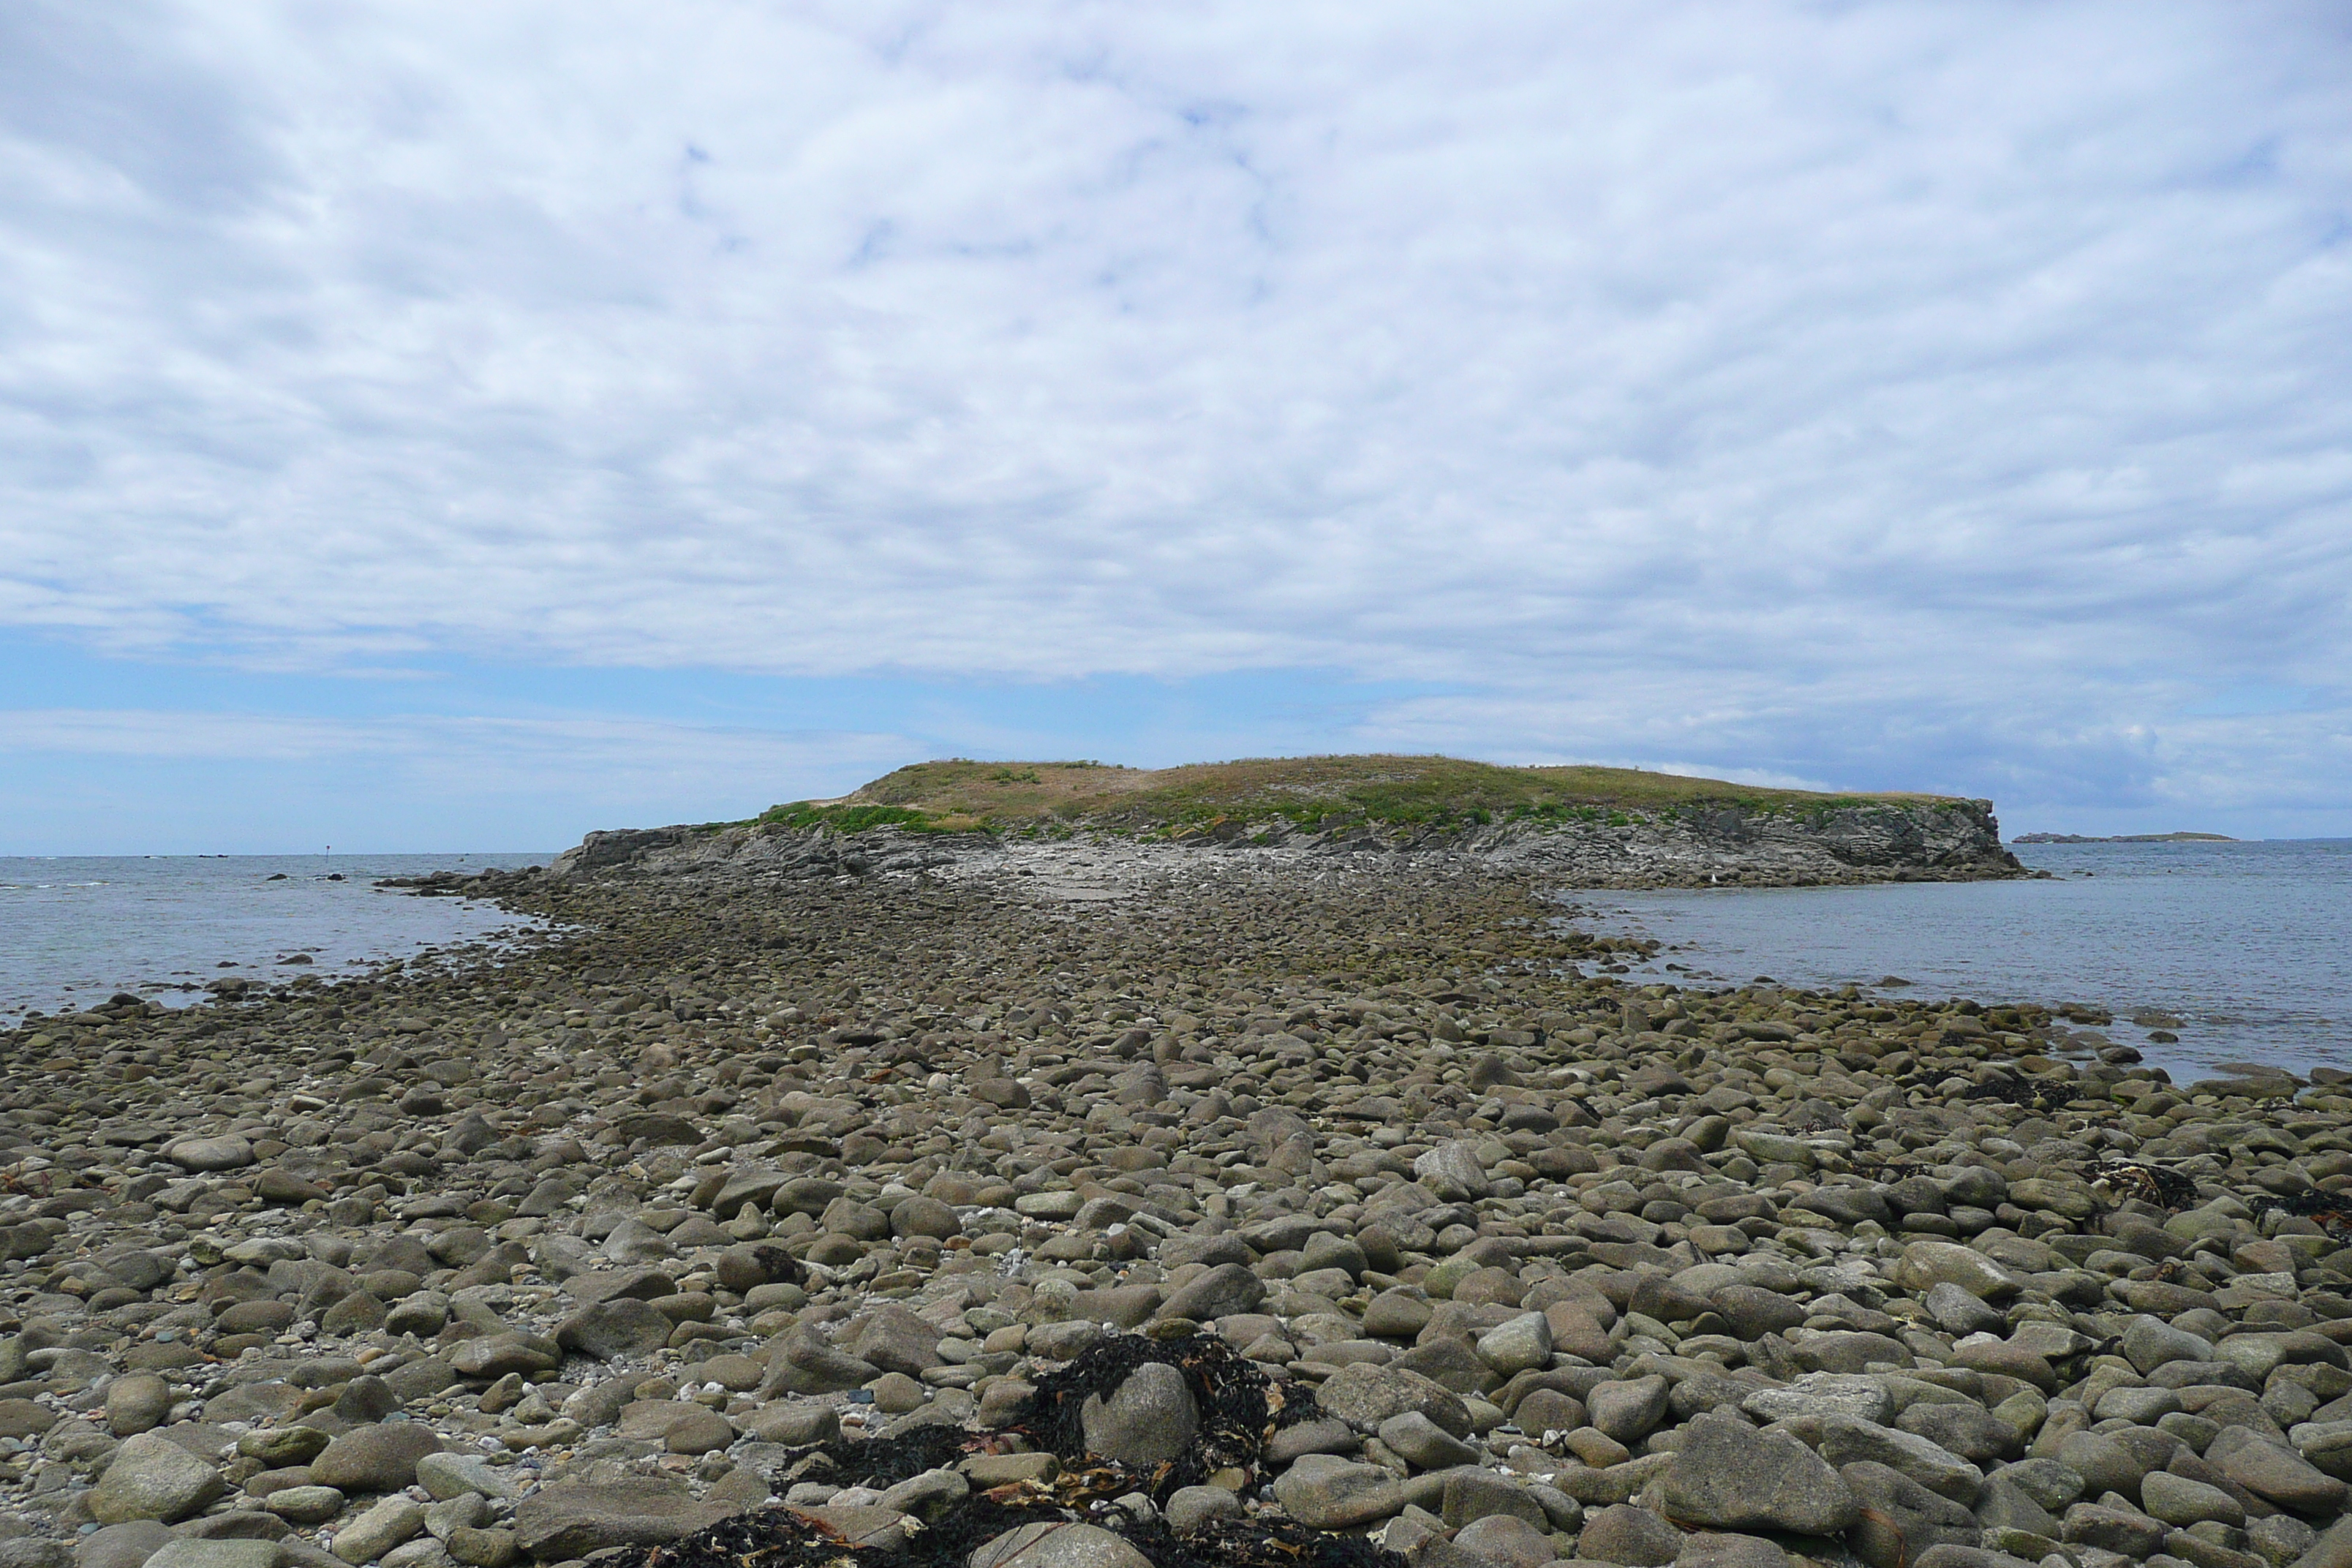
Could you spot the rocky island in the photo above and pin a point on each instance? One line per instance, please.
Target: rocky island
(1138, 1205)
(1583, 827)
(2125, 839)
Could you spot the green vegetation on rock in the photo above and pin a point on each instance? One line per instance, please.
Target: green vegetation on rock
(1309, 793)
(848, 819)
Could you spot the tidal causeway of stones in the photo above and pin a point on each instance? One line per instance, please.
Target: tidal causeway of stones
(1250, 1212)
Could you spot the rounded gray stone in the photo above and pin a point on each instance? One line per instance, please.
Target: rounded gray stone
(1191, 1507)
(184, 1553)
(153, 1477)
(1364, 1395)
(305, 1505)
(1149, 1419)
(920, 1215)
(123, 1545)
(137, 1402)
(1710, 1550)
(1221, 1292)
(1970, 1431)
(380, 1458)
(2104, 1465)
(1327, 1492)
(1630, 1536)
(1522, 1344)
(1846, 1441)
(572, 1519)
(1629, 1411)
(446, 1476)
(390, 1522)
(1729, 1475)
(227, 1152)
(1505, 1541)
(1053, 1544)
(1423, 1443)
(608, 1330)
(2177, 1501)
(1958, 1311)
(1823, 1393)
(2151, 1342)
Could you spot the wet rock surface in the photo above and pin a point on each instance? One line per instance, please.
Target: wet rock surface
(788, 1206)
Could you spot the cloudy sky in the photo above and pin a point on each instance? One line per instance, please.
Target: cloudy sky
(448, 425)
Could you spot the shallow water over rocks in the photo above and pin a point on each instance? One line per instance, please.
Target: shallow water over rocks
(2236, 949)
(74, 929)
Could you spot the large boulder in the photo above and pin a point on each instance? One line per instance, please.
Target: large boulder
(137, 1402)
(610, 1330)
(227, 1152)
(896, 1339)
(392, 1522)
(446, 1476)
(1709, 1549)
(1970, 1431)
(1223, 1291)
(1928, 1263)
(124, 1545)
(1149, 1419)
(1846, 1441)
(1729, 1475)
(2151, 1342)
(572, 1519)
(153, 1477)
(1052, 1544)
(1364, 1395)
(1328, 1492)
(1631, 1409)
(1753, 1312)
(1625, 1534)
(2273, 1472)
(379, 1459)
(1901, 1518)
(805, 1362)
(1452, 1170)
(184, 1551)
(1822, 1394)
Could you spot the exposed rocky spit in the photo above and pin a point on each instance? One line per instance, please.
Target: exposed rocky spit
(645, 1232)
(1696, 845)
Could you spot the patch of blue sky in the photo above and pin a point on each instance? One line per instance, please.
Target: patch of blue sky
(2251, 701)
(1131, 719)
(102, 754)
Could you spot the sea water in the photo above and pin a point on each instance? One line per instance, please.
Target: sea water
(75, 929)
(2248, 944)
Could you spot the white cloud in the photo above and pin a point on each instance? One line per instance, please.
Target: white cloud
(1927, 394)
(617, 759)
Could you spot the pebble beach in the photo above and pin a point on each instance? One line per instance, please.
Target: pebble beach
(911, 1217)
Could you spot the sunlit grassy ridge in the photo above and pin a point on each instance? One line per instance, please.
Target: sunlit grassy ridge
(1313, 793)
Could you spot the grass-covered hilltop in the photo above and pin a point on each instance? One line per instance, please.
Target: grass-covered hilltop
(1587, 826)
(1314, 794)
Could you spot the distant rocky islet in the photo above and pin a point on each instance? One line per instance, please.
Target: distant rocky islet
(644, 1232)
(2124, 838)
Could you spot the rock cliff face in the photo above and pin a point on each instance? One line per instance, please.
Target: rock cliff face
(1940, 840)
(1945, 841)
